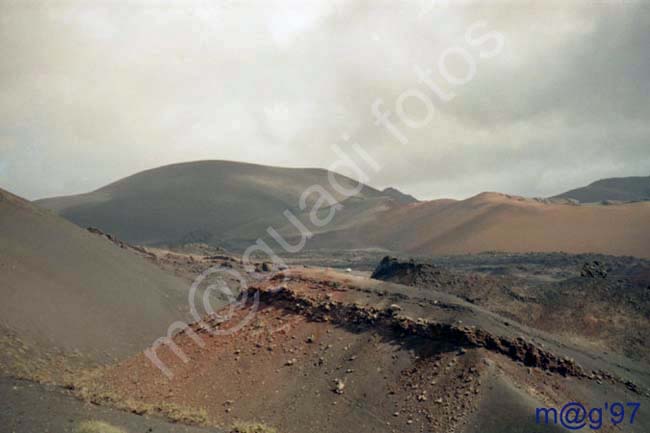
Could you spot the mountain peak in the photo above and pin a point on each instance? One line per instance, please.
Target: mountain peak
(399, 196)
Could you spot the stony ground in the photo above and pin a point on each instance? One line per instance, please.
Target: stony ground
(601, 301)
(326, 351)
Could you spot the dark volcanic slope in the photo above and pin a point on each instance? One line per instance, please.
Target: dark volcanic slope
(206, 201)
(617, 188)
(63, 287)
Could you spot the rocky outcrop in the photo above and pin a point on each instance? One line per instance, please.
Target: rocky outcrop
(391, 266)
(399, 196)
(391, 319)
(594, 269)
(412, 273)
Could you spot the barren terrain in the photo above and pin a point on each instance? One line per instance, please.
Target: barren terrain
(328, 350)
(341, 337)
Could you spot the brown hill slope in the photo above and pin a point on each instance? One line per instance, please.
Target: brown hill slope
(65, 288)
(497, 222)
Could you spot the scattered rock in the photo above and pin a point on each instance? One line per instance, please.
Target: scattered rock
(594, 269)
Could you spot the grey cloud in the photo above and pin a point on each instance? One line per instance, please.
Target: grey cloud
(89, 94)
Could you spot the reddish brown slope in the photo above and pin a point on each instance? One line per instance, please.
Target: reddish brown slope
(497, 222)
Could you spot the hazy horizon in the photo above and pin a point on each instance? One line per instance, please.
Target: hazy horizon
(92, 93)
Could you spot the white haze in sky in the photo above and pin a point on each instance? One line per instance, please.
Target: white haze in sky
(94, 91)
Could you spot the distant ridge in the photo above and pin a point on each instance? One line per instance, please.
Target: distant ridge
(231, 204)
(612, 189)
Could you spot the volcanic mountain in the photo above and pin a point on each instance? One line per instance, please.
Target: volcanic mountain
(613, 189)
(222, 202)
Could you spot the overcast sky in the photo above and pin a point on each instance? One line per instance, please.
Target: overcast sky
(94, 91)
